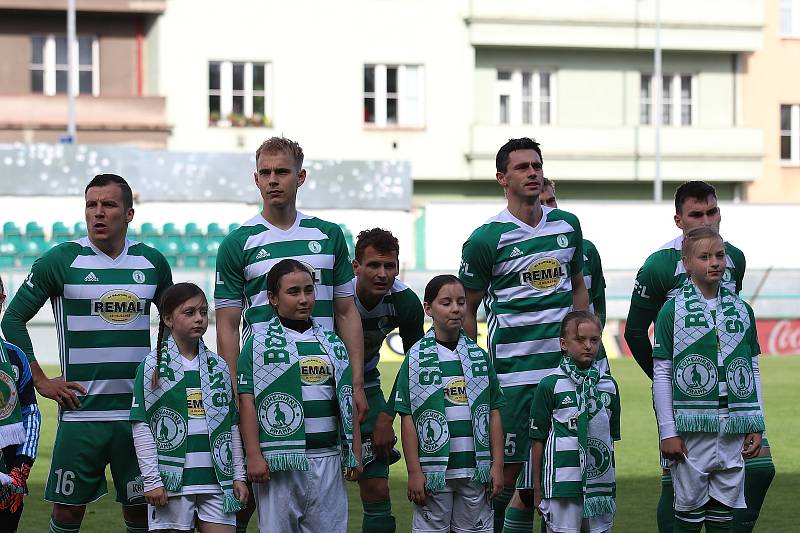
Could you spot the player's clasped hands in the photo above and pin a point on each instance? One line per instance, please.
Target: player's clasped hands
(674, 448)
(63, 392)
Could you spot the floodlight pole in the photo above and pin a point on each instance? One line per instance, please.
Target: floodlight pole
(657, 115)
(72, 71)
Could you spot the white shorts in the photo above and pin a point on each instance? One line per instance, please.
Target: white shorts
(462, 507)
(714, 468)
(565, 515)
(297, 501)
(179, 513)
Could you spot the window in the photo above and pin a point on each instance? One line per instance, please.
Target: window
(677, 100)
(49, 65)
(393, 96)
(790, 134)
(238, 93)
(523, 97)
(790, 18)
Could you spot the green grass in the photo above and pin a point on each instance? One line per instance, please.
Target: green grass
(637, 460)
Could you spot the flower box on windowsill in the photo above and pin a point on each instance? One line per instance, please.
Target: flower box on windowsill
(235, 120)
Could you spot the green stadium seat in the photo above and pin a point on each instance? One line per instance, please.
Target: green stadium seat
(8, 254)
(233, 226)
(211, 253)
(215, 231)
(148, 230)
(171, 231)
(192, 252)
(193, 233)
(80, 230)
(171, 250)
(60, 233)
(34, 232)
(30, 251)
(12, 234)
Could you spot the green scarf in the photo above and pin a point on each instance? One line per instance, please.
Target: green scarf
(11, 429)
(428, 409)
(166, 403)
(706, 345)
(279, 395)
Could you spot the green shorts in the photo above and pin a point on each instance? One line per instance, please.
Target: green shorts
(516, 422)
(80, 455)
(377, 405)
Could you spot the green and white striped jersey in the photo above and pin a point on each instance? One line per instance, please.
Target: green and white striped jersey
(461, 462)
(399, 308)
(526, 273)
(663, 274)
(554, 415)
(248, 253)
(318, 385)
(199, 475)
(102, 313)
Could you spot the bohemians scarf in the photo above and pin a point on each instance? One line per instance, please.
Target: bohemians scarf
(428, 408)
(167, 412)
(279, 396)
(11, 428)
(705, 345)
(594, 438)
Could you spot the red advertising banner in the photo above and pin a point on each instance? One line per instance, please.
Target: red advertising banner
(777, 337)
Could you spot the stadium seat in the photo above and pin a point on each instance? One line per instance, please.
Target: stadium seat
(191, 251)
(193, 233)
(233, 226)
(30, 251)
(148, 231)
(171, 251)
(8, 254)
(80, 230)
(12, 234)
(34, 232)
(60, 233)
(211, 253)
(171, 231)
(215, 231)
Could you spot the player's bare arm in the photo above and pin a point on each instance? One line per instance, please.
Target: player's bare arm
(537, 453)
(580, 295)
(416, 478)
(348, 327)
(257, 468)
(228, 320)
(474, 299)
(498, 456)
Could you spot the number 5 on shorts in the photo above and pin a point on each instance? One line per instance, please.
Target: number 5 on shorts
(65, 482)
(510, 445)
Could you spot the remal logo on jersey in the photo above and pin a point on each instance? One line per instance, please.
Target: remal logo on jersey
(280, 414)
(223, 453)
(314, 370)
(544, 274)
(599, 458)
(740, 379)
(432, 431)
(456, 391)
(118, 307)
(696, 376)
(169, 429)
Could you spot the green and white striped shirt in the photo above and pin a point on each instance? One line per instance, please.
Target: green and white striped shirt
(248, 253)
(318, 385)
(102, 313)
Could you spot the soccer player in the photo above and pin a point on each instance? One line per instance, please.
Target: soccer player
(101, 288)
(660, 279)
(384, 303)
(526, 265)
(280, 231)
(20, 421)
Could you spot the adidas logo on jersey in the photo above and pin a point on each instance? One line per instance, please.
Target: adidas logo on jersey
(516, 252)
(567, 401)
(262, 254)
(91, 277)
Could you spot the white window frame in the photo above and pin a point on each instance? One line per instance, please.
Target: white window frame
(513, 90)
(226, 92)
(405, 95)
(675, 101)
(794, 132)
(49, 67)
(789, 11)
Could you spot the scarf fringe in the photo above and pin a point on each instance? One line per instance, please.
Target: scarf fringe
(230, 504)
(599, 505)
(745, 424)
(697, 423)
(172, 479)
(287, 461)
(435, 481)
(482, 474)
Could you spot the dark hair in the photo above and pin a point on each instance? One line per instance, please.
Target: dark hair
(578, 317)
(382, 240)
(435, 285)
(694, 235)
(523, 143)
(547, 182)
(696, 190)
(283, 267)
(277, 145)
(170, 300)
(101, 180)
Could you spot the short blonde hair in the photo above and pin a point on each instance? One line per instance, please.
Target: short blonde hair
(276, 145)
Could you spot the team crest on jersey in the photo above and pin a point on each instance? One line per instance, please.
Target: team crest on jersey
(605, 399)
(223, 453)
(562, 240)
(740, 378)
(314, 370)
(432, 431)
(8, 394)
(138, 276)
(169, 429)
(696, 376)
(455, 390)
(544, 274)
(118, 307)
(598, 458)
(315, 247)
(280, 414)
(480, 424)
